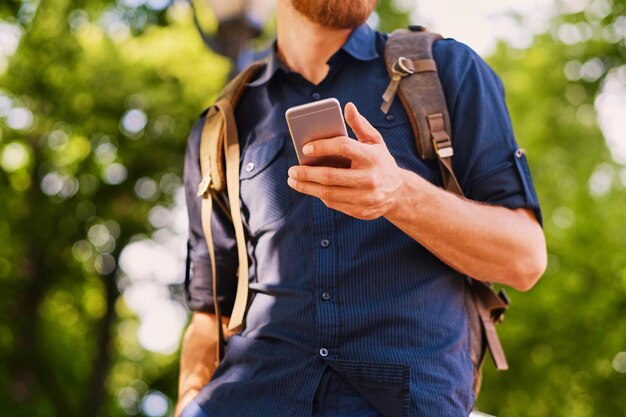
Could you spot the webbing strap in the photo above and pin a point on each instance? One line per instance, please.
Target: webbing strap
(204, 190)
(207, 208)
(444, 151)
(495, 347)
(232, 185)
(490, 309)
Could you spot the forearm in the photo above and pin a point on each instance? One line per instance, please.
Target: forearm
(198, 357)
(489, 243)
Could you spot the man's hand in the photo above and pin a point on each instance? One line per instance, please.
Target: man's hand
(368, 189)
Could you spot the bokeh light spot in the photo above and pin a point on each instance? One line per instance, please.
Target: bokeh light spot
(115, 174)
(619, 362)
(82, 251)
(157, 4)
(592, 70)
(161, 327)
(20, 118)
(55, 184)
(15, 156)
(159, 217)
(52, 183)
(563, 217)
(154, 404)
(105, 153)
(99, 235)
(128, 397)
(104, 264)
(58, 140)
(145, 260)
(146, 189)
(601, 181)
(133, 122)
(5, 105)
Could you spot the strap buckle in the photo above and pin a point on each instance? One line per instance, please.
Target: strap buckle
(403, 67)
(441, 139)
(204, 185)
(445, 151)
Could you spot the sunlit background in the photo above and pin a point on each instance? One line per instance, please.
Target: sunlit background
(92, 138)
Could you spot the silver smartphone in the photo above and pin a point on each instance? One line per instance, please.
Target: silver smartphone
(317, 120)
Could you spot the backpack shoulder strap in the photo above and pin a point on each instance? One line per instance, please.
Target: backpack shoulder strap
(219, 165)
(414, 79)
(413, 72)
(212, 143)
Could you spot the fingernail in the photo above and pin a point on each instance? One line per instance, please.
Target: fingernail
(291, 182)
(293, 173)
(307, 149)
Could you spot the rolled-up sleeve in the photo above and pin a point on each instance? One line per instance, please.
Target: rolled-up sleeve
(490, 165)
(198, 284)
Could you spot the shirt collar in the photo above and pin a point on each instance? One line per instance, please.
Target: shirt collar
(361, 45)
(273, 64)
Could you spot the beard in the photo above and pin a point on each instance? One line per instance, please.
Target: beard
(336, 14)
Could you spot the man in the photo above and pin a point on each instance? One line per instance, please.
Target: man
(356, 274)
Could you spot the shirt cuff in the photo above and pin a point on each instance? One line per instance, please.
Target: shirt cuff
(510, 186)
(199, 291)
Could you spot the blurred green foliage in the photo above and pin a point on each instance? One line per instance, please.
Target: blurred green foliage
(564, 337)
(110, 114)
(101, 96)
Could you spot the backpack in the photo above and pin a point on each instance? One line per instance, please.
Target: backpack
(414, 79)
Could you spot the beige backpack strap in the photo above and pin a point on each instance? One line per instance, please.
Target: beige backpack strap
(212, 129)
(232, 183)
(219, 166)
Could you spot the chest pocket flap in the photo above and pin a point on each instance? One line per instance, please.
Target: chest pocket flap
(265, 194)
(259, 156)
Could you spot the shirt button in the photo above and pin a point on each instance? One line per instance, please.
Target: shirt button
(250, 166)
(326, 296)
(390, 117)
(316, 96)
(323, 352)
(519, 152)
(325, 243)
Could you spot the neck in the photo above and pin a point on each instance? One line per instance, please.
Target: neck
(306, 46)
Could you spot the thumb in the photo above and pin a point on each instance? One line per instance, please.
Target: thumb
(364, 131)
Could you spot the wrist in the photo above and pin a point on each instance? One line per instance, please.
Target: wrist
(408, 196)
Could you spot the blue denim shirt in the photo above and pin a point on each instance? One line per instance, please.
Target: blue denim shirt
(331, 290)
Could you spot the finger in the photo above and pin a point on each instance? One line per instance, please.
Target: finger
(331, 193)
(330, 176)
(339, 146)
(364, 131)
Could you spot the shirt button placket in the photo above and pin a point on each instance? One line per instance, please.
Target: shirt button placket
(328, 331)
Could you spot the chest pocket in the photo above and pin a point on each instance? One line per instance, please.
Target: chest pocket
(265, 194)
